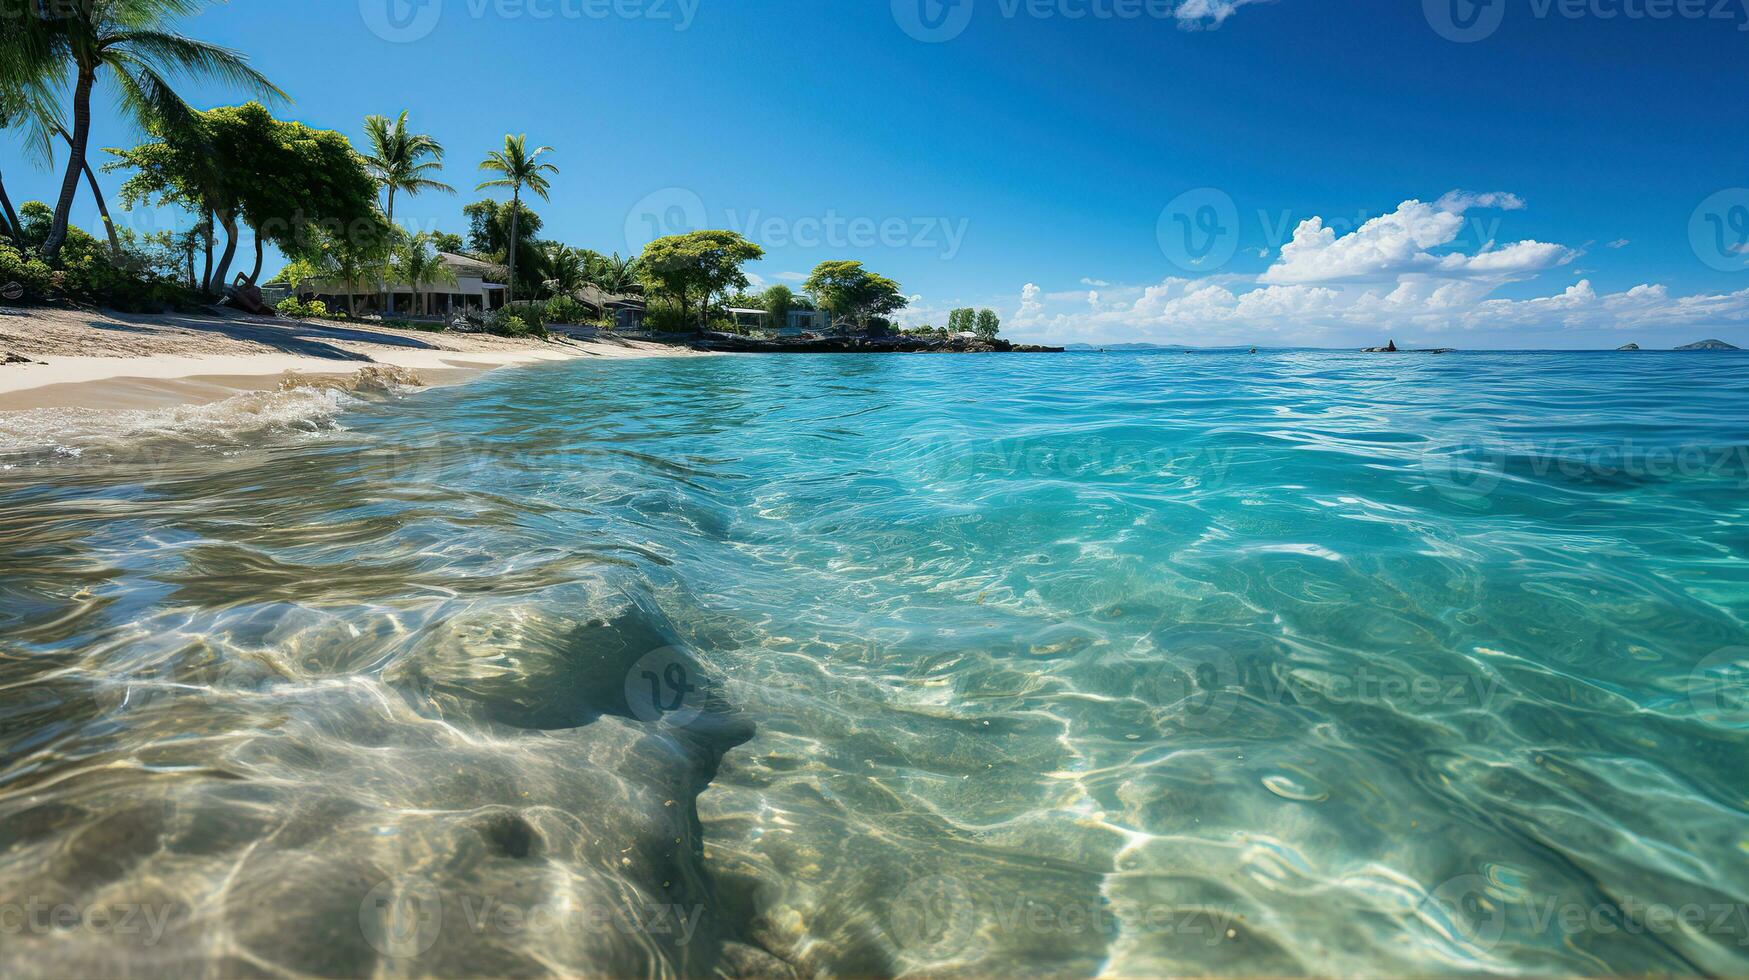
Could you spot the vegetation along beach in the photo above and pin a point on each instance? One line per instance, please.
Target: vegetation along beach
(469, 506)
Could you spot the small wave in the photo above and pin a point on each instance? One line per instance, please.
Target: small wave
(299, 403)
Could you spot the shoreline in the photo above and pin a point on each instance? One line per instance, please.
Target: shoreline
(102, 360)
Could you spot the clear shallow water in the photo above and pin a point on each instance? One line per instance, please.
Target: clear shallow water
(1120, 664)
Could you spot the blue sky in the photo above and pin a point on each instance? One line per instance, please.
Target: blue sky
(1051, 166)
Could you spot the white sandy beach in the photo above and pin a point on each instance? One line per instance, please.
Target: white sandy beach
(119, 361)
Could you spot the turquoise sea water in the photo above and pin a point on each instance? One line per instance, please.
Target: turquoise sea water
(1033, 665)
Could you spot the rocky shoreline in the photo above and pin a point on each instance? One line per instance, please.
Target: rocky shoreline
(723, 343)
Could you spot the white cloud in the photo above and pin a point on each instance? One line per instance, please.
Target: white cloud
(1030, 307)
(1400, 275)
(1199, 14)
(1457, 202)
(1098, 283)
(1451, 312)
(1620, 243)
(792, 276)
(1402, 243)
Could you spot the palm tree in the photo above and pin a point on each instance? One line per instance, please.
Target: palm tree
(31, 107)
(18, 111)
(129, 38)
(517, 168)
(567, 269)
(418, 263)
(400, 160)
(617, 275)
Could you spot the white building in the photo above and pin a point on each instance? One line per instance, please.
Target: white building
(799, 322)
(472, 288)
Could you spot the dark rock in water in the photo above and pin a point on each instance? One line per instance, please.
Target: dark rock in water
(1709, 345)
(1629, 347)
(1394, 349)
(736, 344)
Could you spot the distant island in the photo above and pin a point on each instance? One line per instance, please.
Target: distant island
(1709, 345)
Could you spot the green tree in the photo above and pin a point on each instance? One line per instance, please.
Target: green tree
(988, 325)
(446, 242)
(566, 269)
(418, 264)
(615, 275)
(128, 38)
(31, 109)
(779, 300)
(490, 224)
(853, 293)
(518, 168)
(23, 108)
(401, 161)
(696, 266)
(241, 166)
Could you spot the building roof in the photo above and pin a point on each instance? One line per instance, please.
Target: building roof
(467, 265)
(597, 297)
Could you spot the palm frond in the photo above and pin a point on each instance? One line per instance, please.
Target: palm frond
(34, 112)
(195, 59)
(147, 96)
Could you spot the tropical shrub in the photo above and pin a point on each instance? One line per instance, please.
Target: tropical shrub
(313, 310)
(87, 274)
(28, 273)
(515, 322)
(565, 309)
(666, 316)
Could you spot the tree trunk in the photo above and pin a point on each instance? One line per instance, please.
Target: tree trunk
(103, 209)
(75, 162)
(260, 256)
(13, 229)
(209, 233)
(389, 287)
(515, 224)
(221, 277)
